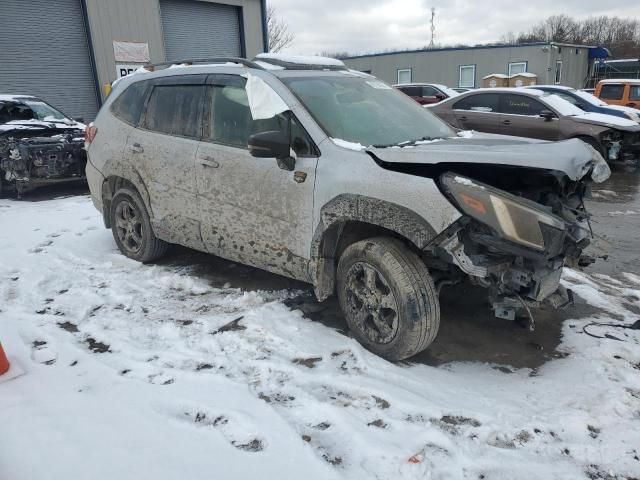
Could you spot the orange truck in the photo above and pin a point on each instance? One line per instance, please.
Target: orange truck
(625, 92)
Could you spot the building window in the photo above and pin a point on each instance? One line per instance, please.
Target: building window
(558, 71)
(517, 67)
(404, 75)
(467, 78)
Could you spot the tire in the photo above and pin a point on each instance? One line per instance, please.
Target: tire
(388, 298)
(131, 227)
(595, 144)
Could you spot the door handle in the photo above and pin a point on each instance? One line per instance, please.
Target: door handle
(463, 119)
(506, 122)
(136, 148)
(631, 104)
(208, 162)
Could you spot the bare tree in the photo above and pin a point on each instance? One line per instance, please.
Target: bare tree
(279, 35)
(621, 35)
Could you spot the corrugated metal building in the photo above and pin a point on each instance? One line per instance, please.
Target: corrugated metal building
(64, 51)
(553, 63)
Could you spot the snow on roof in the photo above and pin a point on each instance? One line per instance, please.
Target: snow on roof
(621, 80)
(302, 59)
(269, 66)
(14, 97)
(495, 75)
(621, 60)
(530, 91)
(524, 74)
(556, 87)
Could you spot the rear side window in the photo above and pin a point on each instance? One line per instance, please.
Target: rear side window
(231, 122)
(411, 91)
(128, 105)
(483, 102)
(521, 105)
(634, 92)
(612, 91)
(175, 110)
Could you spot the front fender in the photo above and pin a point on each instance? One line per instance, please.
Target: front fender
(345, 208)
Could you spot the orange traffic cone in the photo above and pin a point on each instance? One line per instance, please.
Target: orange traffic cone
(4, 362)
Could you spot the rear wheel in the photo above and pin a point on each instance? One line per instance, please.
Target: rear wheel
(131, 227)
(388, 298)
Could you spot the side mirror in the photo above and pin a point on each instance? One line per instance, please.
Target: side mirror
(440, 96)
(548, 115)
(272, 144)
(79, 119)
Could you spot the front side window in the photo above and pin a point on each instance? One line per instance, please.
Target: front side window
(128, 105)
(482, 102)
(517, 67)
(467, 77)
(612, 91)
(558, 78)
(175, 110)
(428, 91)
(404, 75)
(231, 122)
(634, 92)
(521, 105)
(365, 110)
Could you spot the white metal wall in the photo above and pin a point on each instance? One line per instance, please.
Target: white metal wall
(44, 52)
(194, 29)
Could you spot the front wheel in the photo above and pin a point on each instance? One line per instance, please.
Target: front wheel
(388, 298)
(131, 227)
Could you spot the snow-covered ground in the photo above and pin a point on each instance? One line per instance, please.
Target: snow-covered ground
(149, 372)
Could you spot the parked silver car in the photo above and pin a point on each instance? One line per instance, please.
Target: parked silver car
(301, 167)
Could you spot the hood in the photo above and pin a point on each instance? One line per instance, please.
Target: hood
(610, 121)
(622, 108)
(572, 157)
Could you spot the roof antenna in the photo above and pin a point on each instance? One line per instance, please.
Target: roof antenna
(433, 27)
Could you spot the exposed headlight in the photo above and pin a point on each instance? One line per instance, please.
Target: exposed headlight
(514, 218)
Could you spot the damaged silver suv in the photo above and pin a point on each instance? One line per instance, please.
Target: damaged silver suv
(304, 168)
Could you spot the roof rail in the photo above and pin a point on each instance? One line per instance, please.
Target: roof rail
(242, 61)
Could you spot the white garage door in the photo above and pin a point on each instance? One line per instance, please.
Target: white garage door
(196, 29)
(44, 52)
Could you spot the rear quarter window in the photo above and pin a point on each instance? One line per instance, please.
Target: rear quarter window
(175, 110)
(128, 105)
(634, 92)
(612, 91)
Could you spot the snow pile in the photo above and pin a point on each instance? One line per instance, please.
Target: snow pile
(348, 145)
(301, 59)
(147, 371)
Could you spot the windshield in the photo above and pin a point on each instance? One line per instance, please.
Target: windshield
(560, 105)
(592, 99)
(366, 111)
(45, 112)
